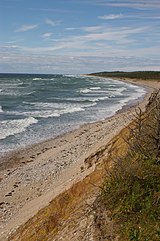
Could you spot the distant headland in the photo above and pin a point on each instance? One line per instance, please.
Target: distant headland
(144, 75)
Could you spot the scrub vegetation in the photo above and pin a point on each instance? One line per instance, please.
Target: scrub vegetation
(144, 75)
(131, 190)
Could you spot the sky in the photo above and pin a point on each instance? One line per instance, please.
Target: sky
(79, 36)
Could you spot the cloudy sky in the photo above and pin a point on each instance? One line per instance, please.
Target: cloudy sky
(79, 36)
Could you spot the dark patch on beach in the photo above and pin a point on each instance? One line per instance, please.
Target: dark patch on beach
(82, 169)
(2, 203)
(32, 156)
(9, 194)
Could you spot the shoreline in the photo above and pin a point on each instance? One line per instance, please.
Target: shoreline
(131, 103)
(45, 170)
(5, 153)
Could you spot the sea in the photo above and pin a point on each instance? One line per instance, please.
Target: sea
(34, 108)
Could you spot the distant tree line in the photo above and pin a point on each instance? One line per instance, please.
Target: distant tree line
(145, 75)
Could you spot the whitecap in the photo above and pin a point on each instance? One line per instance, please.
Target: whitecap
(28, 93)
(92, 99)
(11, 84)
(95, 88)
(37, 79)
(42, 113)
(134, 96)
(1, 109)
(52, 113)
(119, 91)
(12, 127)
(42, 105)
(16, 93)
(57, 106)
(85, 91)
(73, 76)
(46, 110)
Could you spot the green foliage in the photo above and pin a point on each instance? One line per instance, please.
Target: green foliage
(134, 199)
(131, 191)
(134, 235)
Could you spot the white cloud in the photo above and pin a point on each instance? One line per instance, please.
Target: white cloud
(70, 29)
(111, 16)
(119, 35)
(87, 28)
(25, 28)
(51, 22)
(92, 28)
(97, 40)
(47, 35)
(41, 63)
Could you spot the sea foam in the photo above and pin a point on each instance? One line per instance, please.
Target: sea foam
(12, 127)
(46, 110)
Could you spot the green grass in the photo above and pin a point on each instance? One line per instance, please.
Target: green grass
(132, 194)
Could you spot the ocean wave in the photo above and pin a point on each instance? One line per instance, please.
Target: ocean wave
(1, 109)
(87, 99)
(51, 113)
(59, 106)
(95, 88)
(100, 98)
(11, 84)
(141, 91)
(12, 127)
(111, 110)
(93, 98)
(134, 96)
(91, 89)
(117, 91)
(73, 76)
(16, 93)
(37, 79)
(41, 114)
(46, 110)
(84, 91)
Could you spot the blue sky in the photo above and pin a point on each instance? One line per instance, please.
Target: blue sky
(79, 36)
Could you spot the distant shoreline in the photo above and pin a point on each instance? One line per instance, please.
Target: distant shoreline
(133, 75)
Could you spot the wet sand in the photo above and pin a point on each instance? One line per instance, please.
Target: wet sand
(31, 178)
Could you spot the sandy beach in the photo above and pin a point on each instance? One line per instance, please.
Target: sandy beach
(32, 177)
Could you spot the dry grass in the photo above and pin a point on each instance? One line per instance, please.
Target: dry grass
(48, 221)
